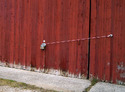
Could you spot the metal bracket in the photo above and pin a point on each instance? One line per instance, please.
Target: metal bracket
(43, 45)
(110, 35)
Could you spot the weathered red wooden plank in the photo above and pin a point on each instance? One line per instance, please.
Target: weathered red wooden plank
(93, 42)
(17, 36)
(1, 27)
(29, 31)
(115, 40)
(43, 33)
(49, 57)
(21, 18)
(53, 34)
(107, 30)
(34, 27)
(79, 36)
(99, 42)
(73, 35)
(12, 15)
(118, 43)
(3, 32)
(122, 76)
(25, 24)
(64, 35)
(20, 31)
(45, 24)
(57, 26)
(7, 31)
(39, 34)
(85, 34)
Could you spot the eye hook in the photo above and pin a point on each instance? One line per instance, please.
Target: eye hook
(43, 45)
(110, 35)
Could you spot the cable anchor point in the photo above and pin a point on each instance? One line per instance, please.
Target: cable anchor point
(110, 35)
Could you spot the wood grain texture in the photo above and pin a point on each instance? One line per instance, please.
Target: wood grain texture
(24, 24)
(107, 61)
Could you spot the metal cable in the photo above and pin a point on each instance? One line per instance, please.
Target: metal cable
(82, 39)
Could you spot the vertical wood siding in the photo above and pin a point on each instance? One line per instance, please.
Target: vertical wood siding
(24, 24)
(107, 56)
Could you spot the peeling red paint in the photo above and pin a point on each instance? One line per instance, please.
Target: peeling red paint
(24, 24)
(107, 56)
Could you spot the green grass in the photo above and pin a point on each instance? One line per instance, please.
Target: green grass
(93, 82)
(11, 83)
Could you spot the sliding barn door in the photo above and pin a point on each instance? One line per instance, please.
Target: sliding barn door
(107, 55)
(66, 21)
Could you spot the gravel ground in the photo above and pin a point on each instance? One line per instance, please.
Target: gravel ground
(45, 81)
(11, 89)
(107, 87)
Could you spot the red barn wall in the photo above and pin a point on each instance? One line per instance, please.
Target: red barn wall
(107, 56)
(24, 24)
